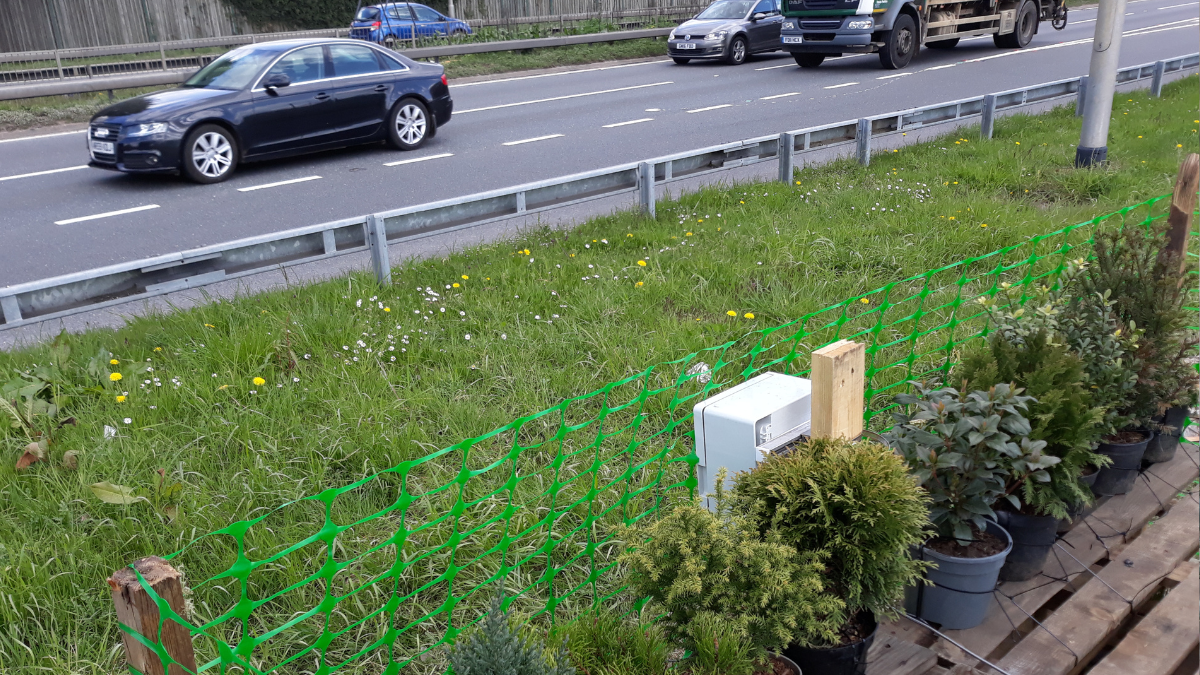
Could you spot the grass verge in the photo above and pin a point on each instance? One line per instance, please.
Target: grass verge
(356, 378)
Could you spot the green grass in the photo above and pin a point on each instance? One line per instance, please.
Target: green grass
(336, 408)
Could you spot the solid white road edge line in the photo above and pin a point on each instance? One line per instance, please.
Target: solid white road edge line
(622, 124)
(711, 107)
(790, 93)
(43, 173)
(278, 183)
(419, 159)
(560, 98)
(30, 138)
(106, 215)
(531, 140)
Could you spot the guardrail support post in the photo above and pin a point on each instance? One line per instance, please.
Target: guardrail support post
(646, 187)
(787, 157)
(1160, 68)
(863, 136)
(988, 116)
(138, 611)
(1082, 96)
(58, 62)
(12, 311)
(377, 242)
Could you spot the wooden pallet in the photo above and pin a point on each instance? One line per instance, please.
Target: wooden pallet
(1128, 603)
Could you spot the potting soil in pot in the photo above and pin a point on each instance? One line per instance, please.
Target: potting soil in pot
(1032, 538)
(1162, 447)
(962, 586)
(849, 658)
(1126, 449)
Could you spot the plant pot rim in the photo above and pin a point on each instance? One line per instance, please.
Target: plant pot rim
(788, 662)
(925, 550)
(1149, 436)
(848, 645)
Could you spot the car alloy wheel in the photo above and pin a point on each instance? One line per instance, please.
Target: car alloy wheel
(212, 154)
(737, 51)
(410, 124)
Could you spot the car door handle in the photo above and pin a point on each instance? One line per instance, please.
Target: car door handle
(381, 87)
(322, 96)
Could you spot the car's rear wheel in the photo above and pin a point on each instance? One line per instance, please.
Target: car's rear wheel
(737, 51)
(210, 154)
(408, 124)
(679, 61)
(808, 60)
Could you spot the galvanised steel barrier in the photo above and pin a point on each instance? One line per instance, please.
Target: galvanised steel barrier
(61, 296)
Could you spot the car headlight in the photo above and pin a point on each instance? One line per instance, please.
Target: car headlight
(789, 25)
(862, 24)
(716, 35)
(672, 35)
(145, 129)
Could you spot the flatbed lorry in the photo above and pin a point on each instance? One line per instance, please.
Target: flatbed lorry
(814, 30)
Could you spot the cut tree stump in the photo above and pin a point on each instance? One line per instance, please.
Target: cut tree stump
(1162, 640)
(137, 611)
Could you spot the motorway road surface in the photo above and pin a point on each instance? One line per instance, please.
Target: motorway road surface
(58, 216)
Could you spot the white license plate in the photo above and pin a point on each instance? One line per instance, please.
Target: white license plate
(793, 39)
(102, 147)
(686, 45)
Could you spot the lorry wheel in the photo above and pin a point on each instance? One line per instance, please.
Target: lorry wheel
(943, 44)
(1022, 34)
(808, 60)
(900, 43)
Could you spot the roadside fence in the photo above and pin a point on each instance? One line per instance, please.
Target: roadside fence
(62, 296)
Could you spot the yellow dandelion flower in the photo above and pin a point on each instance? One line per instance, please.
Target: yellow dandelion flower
(749, 315)
(741, 202)
(983, 224)
(388, 309)
(1179, 145)
(222, 387)
(258, 381)
(689, 234)
(120, 399)
(158, 349)
(951, 217)
(114, 361)
(572, 255)
(1018, 142)
(456, 285)
(209, 325)
(1139, 136)
(638, 284)
(465, 277)
(629, 234)
(731, 313)
(699, 220)
(865, 301)
(797, 183)
(641, 263)
(114, 377)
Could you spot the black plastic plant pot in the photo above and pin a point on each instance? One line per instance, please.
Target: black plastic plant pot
(1079, 510)
(1032, 538)
(962, 587)
(1118, 478)
(848, 659)
(791, 665)
(1164, 444)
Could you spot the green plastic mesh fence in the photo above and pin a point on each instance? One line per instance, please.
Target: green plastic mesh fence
(398, 564)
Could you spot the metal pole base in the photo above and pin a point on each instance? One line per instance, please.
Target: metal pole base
(1087, 157)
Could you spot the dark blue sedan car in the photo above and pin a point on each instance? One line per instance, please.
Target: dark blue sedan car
(395, 22)
(269, 100)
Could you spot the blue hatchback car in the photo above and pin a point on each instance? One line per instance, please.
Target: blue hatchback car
(395, 22)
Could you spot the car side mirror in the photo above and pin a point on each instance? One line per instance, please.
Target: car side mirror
(758, 16)
(275, 81)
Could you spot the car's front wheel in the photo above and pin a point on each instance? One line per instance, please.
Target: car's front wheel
(737, 51)
(409, 124)
(210, 154)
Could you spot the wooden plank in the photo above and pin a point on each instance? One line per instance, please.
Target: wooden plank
(138, 611)
(1163, 639)
(837, 390)
(1183, 203)
(890, 655)
(1126, 511)
(1090, 616)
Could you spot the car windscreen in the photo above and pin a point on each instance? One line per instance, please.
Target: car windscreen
(367, 14)
(235, 70)
(732, 9)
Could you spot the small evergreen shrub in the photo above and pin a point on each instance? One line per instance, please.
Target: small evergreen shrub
(719, 648)
(601, 642)
(494, 648)
(968, 450)
(702, 566)
(857, 503)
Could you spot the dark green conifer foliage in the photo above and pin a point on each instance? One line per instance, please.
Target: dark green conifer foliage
(494, 648)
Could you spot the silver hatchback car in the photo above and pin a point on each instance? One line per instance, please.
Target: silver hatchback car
(728, 30)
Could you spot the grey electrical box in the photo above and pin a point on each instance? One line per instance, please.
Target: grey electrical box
(737, 428)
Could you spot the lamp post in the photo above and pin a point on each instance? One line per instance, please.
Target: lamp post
(1102, 84)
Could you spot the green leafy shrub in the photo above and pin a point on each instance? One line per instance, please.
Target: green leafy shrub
(494, 648)
(1148, 291)
(968, 450)
(698, 564)
(857, 503)
(601, 642)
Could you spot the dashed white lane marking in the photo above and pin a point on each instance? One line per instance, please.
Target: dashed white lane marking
(839, 86)
(108, 214)
(948, 65)
(1186, 4)
(623, 124)
(419, 159)
(565, 72)
(786, 65)
(712, 107)
(531, 140)
(42, 173)
(561, 98)
(264, 186)
(888, 77)
(790, 93)
(1172, 25)
(30, 138)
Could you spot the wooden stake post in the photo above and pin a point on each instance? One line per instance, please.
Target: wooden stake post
(139, 612)
(837, 390)
(1183, 204)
